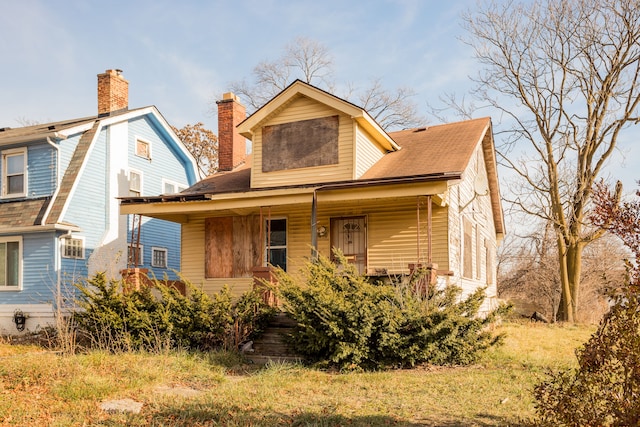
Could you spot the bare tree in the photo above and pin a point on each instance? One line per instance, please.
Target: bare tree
(311, 62)
(202, 144)
(567, 75)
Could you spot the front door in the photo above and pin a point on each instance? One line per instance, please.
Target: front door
(349, 234)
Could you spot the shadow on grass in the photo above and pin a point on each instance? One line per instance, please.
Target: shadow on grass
(229, 416)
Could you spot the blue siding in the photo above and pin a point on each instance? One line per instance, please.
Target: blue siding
(160, 234)
(41, 167)
(67, 148)
(164, 163)
(38, 272)
(88, 205)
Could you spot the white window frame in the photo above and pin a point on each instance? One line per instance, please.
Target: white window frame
(65, 243)
(139, 153)
(131, 189)
(141, 260)
(268, 245)
(12, 239)
(5, 176)
(155, 249)
(177, 186)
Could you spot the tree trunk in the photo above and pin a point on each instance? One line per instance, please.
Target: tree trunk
(570, 259)
(566, 309)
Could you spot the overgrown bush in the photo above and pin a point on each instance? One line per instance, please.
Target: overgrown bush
(162, 318)
(345, 321)
(605, 388)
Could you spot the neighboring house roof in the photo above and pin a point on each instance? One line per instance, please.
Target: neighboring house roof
(49, 211)
(24, 213)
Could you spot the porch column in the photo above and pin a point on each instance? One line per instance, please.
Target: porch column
(314, 226)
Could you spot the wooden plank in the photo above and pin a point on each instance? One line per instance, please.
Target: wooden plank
(218, 247)
(301, 144)
(246, 235)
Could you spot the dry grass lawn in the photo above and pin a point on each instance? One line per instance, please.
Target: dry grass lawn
(46, 389)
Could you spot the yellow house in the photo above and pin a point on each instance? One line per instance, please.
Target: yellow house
(324, 174)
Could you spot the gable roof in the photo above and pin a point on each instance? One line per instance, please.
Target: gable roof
(298, 89)
(49, 211)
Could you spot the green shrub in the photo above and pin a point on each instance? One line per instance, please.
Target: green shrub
(164, 319)
(347, 322)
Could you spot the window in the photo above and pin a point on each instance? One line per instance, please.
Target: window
(159, 257)
(73, 247)
(10, 262)
(467, 254)
(170, 187)
(276, 244)
(135, 255)
(14, 166)
(135, 183)
(143, 149)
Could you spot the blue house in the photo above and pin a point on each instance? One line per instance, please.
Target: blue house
(59, 211)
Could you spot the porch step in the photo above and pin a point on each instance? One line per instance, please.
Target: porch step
(272, 345)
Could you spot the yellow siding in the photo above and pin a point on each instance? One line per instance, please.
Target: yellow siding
(367, 152)
(304, 109)
(391, 234)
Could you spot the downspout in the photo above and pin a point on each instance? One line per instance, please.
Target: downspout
(314, 225)
(57, 247)
(57, 180)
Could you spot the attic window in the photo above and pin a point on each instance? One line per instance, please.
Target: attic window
(301, 144)
(143, 149)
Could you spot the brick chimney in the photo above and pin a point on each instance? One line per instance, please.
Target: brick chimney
(232, 148)
(113, 92)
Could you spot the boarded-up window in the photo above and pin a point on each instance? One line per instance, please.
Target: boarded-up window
(301, 144)
(467, 254)
(489, 258)
(232, 246)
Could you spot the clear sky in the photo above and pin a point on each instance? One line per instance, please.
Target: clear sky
(181, 55)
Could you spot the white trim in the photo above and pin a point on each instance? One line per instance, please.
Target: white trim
(178, 187)
(7, 239)
(76, 181)
(63, 245)
(138, 139)
(141, 175)
(286, 235)
(5, 181)
(166, 257)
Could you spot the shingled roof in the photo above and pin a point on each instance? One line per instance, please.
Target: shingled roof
(441, 149)
(22, 213)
